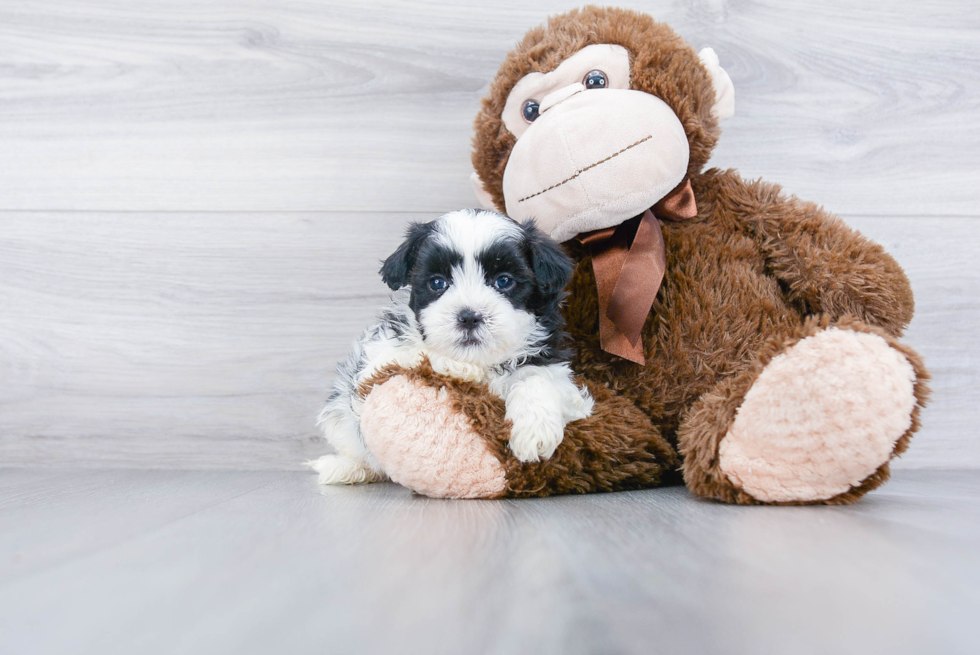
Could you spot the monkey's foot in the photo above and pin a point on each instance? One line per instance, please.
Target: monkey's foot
(816, 422)
(424, 443)
(820, 418)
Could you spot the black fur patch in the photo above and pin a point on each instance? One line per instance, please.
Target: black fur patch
(507, 257)
(396, 269)
(433, 259)
(541, 269)
(552, 269)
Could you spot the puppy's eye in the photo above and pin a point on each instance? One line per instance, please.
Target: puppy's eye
(595, 80)
(530, 110)
(503, 282)
(438, 283)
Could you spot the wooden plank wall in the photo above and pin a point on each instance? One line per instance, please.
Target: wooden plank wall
(194, 196)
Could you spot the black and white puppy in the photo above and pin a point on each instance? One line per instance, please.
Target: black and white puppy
(479, 295)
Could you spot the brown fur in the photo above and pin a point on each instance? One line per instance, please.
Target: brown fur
(661, 63)
(615, 433)
(742, 277)
(709, 420)
(743, 271)
(752, 274)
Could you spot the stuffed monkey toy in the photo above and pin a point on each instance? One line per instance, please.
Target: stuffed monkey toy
(738, 340)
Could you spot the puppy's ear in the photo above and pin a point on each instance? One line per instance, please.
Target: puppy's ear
(395, 270)
(552, 267)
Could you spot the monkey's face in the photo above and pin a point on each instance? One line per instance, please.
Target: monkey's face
(592, 147)
(590, 151)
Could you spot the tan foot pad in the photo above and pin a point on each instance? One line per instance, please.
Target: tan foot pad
(820, 418)
(424, 444)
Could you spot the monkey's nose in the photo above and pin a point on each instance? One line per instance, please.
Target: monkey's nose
(560, 95)
(469, 320)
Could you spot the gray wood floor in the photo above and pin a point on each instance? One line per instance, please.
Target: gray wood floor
(259, 562)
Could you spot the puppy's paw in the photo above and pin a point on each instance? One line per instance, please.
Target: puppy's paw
(340, 469)
(578, 404)
(535, 438)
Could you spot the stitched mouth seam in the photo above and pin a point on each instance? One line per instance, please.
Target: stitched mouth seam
(589, 167)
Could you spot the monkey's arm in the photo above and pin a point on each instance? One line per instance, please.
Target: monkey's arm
(448, 438)
(824, 265)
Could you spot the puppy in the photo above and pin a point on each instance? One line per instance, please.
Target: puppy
(479, 295)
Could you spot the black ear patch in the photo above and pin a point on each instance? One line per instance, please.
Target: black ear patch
(552, 267)
(395, 270)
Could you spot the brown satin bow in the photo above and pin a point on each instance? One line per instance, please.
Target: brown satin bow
(628, 276)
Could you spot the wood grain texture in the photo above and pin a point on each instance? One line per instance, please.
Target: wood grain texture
(194, 197)
(178, 339)
(209, 340)
(232, 562)
(282, 105)
(939, 258)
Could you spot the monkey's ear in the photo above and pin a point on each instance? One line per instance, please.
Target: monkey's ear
(396, 269)
(481, 193)
(724, 106)
(552, 267)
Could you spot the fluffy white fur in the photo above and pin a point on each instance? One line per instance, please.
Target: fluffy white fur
(506, 334)
(540, 400)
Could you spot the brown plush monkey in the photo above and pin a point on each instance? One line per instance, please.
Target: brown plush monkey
(765, 367)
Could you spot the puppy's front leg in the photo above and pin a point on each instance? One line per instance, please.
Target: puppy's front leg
(540, 400)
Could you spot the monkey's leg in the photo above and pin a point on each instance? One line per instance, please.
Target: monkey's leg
(446, 438)
(814, 421)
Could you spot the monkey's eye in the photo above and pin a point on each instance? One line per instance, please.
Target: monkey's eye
(504, 282)
(595, 80)
(530, 110)
(438, 283)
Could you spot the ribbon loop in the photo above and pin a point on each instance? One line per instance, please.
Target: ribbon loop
(628, 276)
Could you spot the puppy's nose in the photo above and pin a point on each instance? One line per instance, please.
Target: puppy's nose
(469, 319)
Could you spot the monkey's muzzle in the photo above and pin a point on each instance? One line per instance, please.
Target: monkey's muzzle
(595, 160)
